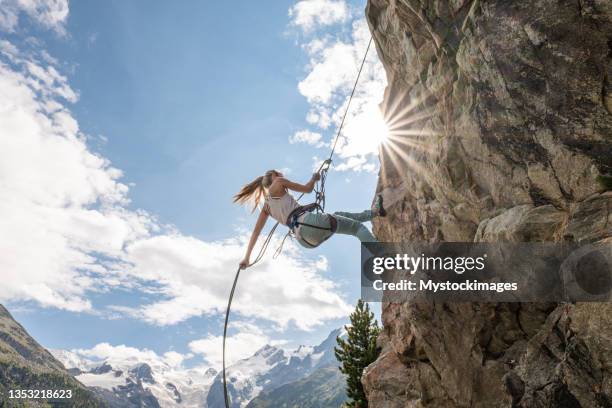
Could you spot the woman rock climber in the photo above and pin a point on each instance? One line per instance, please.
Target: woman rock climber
(310, 228)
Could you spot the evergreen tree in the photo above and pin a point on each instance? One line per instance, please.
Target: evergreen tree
(357, 352)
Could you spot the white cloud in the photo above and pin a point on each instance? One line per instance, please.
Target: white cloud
(308, 14)
(61, 202)
(239, 345)
(244, 339)
(331, 73)
(193, 382)
(196, 278)
(125, 356)
(50, 14)
(308, 137)
(166, 367)
(332, 70)
(66, 230)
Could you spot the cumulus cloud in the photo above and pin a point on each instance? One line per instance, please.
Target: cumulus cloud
(332, 70)
(308, 137)
(50, 14)
(196, 278)
(244, 339)
(333, 66)
(66, 230)
(239, 345)
(309, 14)
(61, 202)
(126, 356)
(167, 367)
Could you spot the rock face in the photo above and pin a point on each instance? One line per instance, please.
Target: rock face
(501, 124)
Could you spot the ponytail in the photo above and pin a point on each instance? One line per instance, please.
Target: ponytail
(255, 190)
(251, 192)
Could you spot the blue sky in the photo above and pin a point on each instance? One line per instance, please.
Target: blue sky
(188, 101)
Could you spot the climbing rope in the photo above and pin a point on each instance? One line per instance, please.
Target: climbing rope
(320, 200)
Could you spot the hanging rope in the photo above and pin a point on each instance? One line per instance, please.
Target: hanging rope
(320, 199)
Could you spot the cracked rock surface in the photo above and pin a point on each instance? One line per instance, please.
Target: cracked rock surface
(501, 120)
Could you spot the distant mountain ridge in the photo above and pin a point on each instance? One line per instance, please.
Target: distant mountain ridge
(297, 374)
(272, 377)
(135, 385)
(25, 364)
(270, 368)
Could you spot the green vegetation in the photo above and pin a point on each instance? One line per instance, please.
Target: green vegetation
(324, 388)
(25, 365)
(357, 352)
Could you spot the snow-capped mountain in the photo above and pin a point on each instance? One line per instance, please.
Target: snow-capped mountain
(269, 368)
(151, 384)
(154, 383)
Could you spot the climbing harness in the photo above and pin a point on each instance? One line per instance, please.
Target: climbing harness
(293, 223)
(292, 219)
(318, 205)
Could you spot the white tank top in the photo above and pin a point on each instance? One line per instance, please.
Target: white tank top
(280, 207)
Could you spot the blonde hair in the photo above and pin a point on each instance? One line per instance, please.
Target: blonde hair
(255, 190)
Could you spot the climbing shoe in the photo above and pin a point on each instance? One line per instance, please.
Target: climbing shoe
(379, 208)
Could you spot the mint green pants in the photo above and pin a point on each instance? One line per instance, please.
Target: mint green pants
(348, 224)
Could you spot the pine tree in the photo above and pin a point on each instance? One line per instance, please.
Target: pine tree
(357, 352)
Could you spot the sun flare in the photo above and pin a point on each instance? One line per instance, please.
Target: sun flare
(365, 133)
(379, 130)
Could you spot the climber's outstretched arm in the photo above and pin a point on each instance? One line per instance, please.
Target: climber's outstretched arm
(261, 221)
(301, 188)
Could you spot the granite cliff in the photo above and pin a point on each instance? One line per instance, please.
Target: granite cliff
(501, 121)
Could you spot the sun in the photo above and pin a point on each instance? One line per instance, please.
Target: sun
(375, 130)
(379, 130)
(365, 133)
